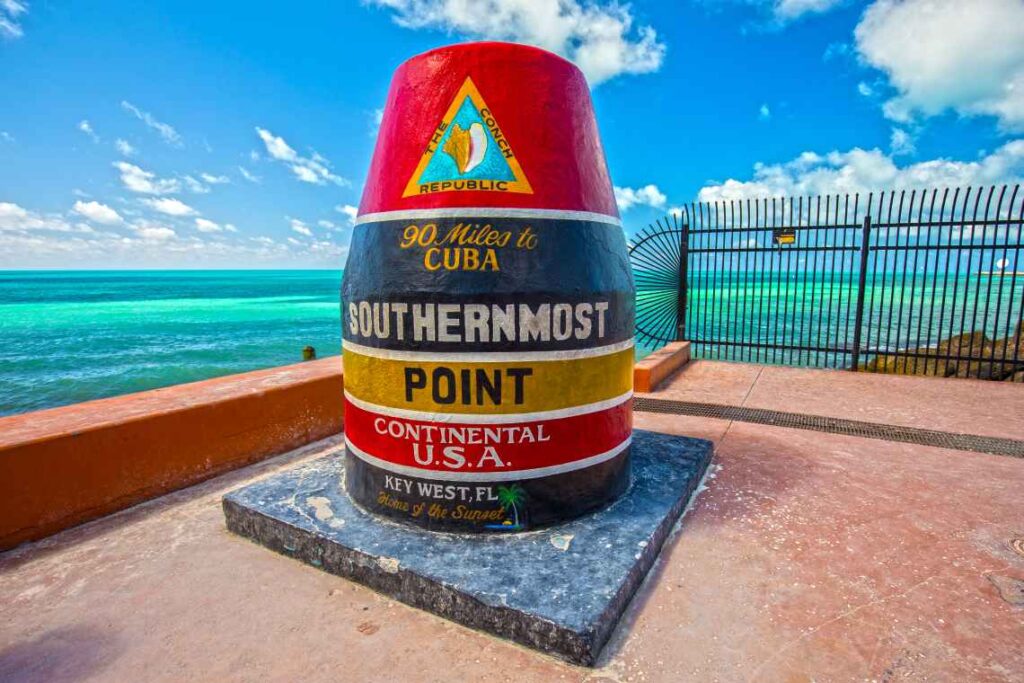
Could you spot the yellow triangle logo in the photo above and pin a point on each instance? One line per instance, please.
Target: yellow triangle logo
(468, 152)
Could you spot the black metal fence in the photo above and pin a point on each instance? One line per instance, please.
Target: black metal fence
(911, 282)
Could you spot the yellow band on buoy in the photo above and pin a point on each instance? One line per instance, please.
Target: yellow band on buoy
(488, 388)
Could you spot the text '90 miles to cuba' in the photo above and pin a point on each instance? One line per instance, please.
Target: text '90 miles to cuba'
(466, 246)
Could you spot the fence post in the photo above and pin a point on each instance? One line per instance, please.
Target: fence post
(858, 324)
(684, 251)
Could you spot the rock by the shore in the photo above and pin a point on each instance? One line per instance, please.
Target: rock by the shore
(934, 363)
(1010, 348)
(998, 358)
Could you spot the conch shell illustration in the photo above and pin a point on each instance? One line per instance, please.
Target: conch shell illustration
(466, 147)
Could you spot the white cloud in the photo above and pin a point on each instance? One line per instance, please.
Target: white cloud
(194, 185)
(248, 175)
(348, 210)
(14, 217)
(31, 239)
(276, 146)
(300, 227)
(203, 186)
(788, 10)
(153, 232)
(865, 89)
(203, 225)
(376, 116)
(97, 213)
(901, 142)
(170, 206)
(326, 251)
(764, 113)
(599, 36)
(326, 225)
(124, 147)
(10, 10)
(144, 182)
(779, 13)
(293, 241)
(166, 131)
(307, 175)
(230, 228)
(86, 128)
(5, 136)
(860, 170)
(836, 51)
(948, 55)
(314, 169)
(649, 195)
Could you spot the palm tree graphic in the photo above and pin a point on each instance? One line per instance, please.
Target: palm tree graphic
(513, 496)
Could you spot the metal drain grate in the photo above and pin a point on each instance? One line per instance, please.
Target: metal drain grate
(832, 425)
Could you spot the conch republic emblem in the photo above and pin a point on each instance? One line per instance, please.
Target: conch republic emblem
(487, 302)
(474, 154)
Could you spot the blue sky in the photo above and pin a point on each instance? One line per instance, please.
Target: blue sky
(199, 135)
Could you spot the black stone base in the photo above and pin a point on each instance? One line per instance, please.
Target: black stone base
(560, 590)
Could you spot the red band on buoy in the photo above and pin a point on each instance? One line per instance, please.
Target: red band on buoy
(553, 445)
(536, 111)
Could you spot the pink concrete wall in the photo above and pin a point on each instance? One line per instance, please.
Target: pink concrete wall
(652, 370)
(68, 465)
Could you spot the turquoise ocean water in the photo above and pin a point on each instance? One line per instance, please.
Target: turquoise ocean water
(808, 310)
(69, 336)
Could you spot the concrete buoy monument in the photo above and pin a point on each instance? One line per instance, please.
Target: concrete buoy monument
(487, 300)
(490, 473)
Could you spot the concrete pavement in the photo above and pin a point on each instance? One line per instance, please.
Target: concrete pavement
(810, 557)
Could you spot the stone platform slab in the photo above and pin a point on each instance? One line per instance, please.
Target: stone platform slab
(560, 590)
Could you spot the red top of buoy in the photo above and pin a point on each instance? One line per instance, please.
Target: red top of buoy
(488, 125)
